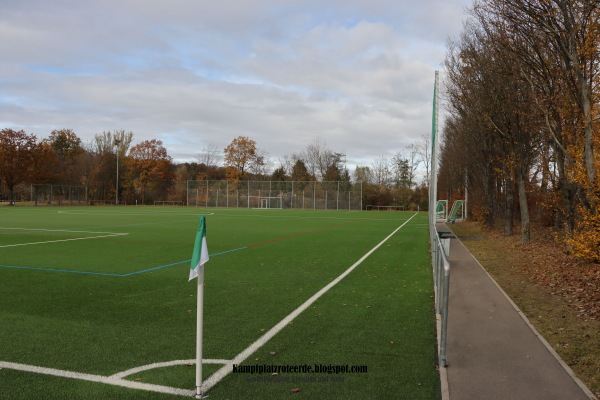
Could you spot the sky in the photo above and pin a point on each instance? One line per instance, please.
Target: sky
(356, 75)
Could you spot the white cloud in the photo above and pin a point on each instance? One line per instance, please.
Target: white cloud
(357, 74)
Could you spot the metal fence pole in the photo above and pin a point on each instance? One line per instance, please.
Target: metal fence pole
(443, 360)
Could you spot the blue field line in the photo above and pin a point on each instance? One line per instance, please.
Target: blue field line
(70, 271)
(110, 274)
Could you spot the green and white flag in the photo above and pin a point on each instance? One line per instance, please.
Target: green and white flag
(200, 254)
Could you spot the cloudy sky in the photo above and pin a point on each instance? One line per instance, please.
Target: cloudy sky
(356, 74)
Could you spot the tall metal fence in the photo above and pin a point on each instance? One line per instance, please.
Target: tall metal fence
(275, 194)
(58, 195)
(440, 247)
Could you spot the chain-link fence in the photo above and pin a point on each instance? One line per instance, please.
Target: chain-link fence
(275, 194)
(58, 195)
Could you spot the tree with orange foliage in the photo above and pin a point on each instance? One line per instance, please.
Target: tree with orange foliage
(557, 43)
(16, 152)
(240, 155)
(149, 164)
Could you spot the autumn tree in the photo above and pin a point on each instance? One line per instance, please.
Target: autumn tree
(16, 153)
(99, 165)
(523, 94)
(509, 117)
(467, 144)
(240, 156)
(185, 172)
(149, 165)
(563, 34)
(558, 42)
(43, 165)
(67, 148)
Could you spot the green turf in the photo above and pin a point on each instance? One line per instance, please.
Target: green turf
(107, 315)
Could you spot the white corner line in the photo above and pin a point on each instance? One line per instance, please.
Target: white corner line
(142, 368)
(98, 379)
(228, 368)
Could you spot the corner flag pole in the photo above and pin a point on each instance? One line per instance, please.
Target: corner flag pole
(199, 258)
(199, 323)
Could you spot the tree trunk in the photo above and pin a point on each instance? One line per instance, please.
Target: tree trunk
(567, 192)
(509, 208)
(525, 222)
(489, 212)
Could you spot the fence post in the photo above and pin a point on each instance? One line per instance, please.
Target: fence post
(444, 329)
(361, 198)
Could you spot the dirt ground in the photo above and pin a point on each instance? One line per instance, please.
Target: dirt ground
(559, 293)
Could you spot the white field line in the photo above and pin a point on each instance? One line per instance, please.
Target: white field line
(167, 213)
(98, 379)
(67, 240)
(136, 370)
(56, 230)
(227, 368)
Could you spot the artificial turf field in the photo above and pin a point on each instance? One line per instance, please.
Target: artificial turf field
(89, 294)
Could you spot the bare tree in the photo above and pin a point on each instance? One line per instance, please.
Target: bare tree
(423, 151)
(404, 168)
(363, 174)
(210, 156)
(317, 157)
(262, 164)
(381, 171)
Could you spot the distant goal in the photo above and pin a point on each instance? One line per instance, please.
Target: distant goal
(267, 202)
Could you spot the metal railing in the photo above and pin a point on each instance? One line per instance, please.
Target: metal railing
(441, 278)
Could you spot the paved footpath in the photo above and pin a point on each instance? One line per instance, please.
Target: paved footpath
(492, 350)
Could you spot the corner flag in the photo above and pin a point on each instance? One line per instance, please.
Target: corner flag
(199, 258)
(200, 254)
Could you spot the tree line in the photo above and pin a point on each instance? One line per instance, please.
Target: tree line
(112, 168)
(522, 93)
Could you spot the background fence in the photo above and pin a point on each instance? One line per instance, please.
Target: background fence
(275, 194)
(58, 195)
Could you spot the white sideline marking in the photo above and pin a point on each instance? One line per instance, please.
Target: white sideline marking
(227, 368)
(67, 240)
(168, 213)
(135, 370)
(58, 230)
(98, 379)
